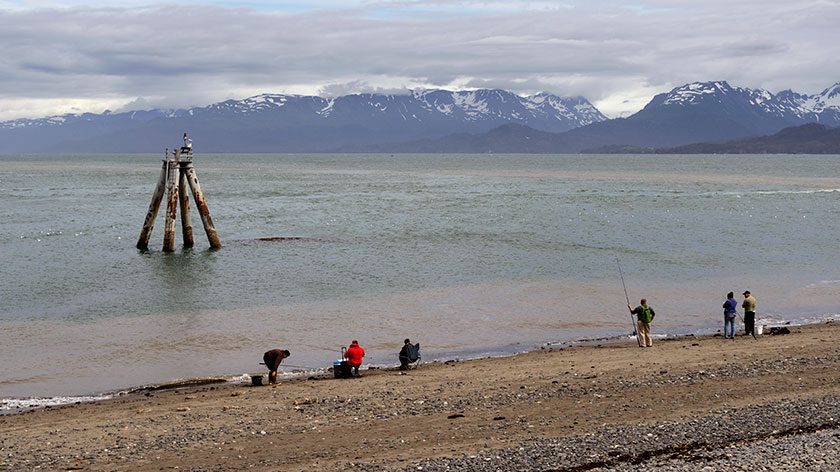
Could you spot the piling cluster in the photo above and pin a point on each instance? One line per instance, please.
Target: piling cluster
(176, 174)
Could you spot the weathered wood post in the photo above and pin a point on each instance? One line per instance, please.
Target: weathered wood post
(149, 222)
(203, 211)
(186, 222)
(175, 175)
(174, 172)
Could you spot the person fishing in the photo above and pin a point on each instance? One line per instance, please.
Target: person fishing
(749, 313)
(729, 312)
(644, 315)
(409, 354)
(272, 360)
(354, 355)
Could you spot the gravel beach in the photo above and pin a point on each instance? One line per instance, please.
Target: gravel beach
(692, 403)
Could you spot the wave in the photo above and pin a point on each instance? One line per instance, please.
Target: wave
(740, 193)
(18, 405)
(796, 192)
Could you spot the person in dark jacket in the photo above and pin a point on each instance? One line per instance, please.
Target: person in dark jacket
(408, 354)
(729, 312)
(272, 360)
(354, 355)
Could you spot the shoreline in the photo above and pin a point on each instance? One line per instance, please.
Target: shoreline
(565, 408)
(25, 404)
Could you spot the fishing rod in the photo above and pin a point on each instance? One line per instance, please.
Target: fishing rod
(638, 339)
(319, 347)
(294, 366)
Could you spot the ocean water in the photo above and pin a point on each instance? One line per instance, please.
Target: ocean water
(469, 255)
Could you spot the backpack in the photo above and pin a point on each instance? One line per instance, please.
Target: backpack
(645, 316)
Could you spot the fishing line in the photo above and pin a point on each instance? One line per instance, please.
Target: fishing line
(319, 347)
(295, 366)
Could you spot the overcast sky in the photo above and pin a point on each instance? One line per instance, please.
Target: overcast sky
(60, 56)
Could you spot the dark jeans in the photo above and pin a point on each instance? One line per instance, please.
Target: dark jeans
(749, 322)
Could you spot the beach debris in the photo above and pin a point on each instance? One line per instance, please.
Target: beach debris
(177, 384)
(497, 418)
(306, 401)
(778, 330)
(183, 408)
(456, 415)
(235, 393)
(190, 397)
(143, 410)
(230, 407)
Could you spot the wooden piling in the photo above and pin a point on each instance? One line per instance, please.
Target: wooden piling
(175, 175)
(173, 172)
(203, 211)
(149, 222)
(186, 222)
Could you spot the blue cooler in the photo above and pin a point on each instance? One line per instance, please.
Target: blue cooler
(341, 370)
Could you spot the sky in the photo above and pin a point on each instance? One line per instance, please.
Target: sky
(74, 56)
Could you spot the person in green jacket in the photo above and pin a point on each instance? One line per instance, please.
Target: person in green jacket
(645, 315)
(749, 313)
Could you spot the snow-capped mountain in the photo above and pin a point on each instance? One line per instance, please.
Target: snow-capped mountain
(470, 121)
(542, 111)
(278, 123)
(787, 105)
(711, 112)
(708, 112)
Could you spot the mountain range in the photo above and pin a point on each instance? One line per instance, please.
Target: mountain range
(296, 123)
(711, 112)
(432, 121)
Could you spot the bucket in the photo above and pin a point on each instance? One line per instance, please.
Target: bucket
(759, 329)
(341, 370)
(257, 380)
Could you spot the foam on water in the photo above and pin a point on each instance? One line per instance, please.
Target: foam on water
(18, 405)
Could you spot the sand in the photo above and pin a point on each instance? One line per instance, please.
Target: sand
(587, 400)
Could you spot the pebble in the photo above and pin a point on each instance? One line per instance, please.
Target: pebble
(787, 435)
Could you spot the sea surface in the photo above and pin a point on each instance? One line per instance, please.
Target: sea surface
(470, 255)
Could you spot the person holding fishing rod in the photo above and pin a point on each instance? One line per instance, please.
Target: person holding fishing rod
(729, 312)
(644, 315)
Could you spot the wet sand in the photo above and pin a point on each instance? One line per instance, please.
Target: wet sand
(682, 403)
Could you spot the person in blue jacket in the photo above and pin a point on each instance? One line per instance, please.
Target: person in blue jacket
(729, 316)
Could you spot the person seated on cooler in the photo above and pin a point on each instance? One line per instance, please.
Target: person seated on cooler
(272, 360)
(354, 355)
(408, 354)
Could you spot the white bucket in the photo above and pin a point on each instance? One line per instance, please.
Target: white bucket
(759, 329)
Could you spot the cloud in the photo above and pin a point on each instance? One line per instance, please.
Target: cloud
(196, 53)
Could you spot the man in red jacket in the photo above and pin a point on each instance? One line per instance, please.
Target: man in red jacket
(354, 355)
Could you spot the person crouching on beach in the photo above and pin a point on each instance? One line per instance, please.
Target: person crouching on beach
(354, 355)
(645, 315)
(729, 313)
(272, 360)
